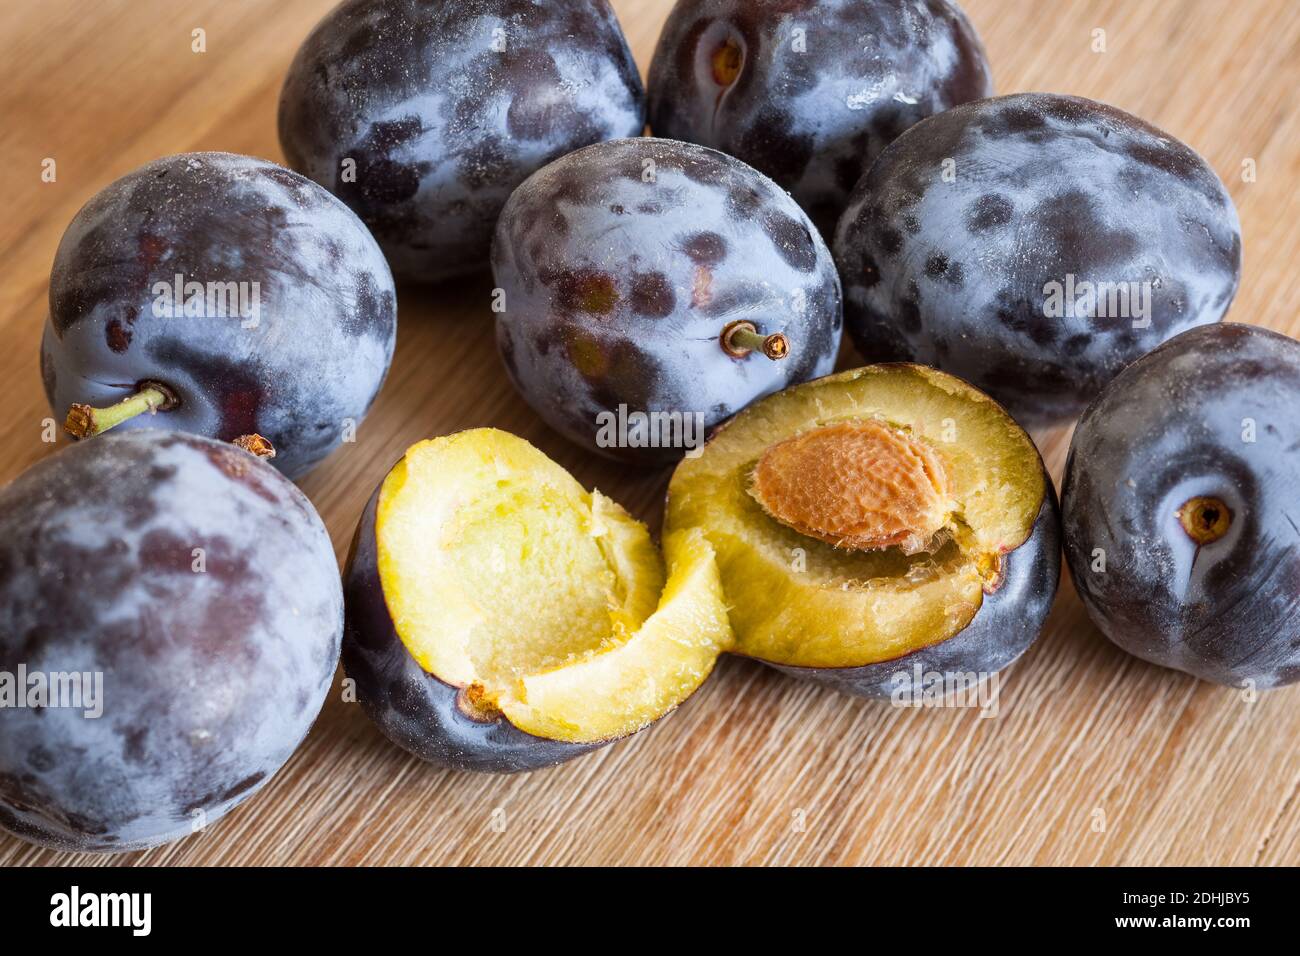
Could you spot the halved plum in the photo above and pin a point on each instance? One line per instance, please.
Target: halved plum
(873, 521)
(502, 618)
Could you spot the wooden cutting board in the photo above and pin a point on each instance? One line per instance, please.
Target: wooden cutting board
(1094, 757)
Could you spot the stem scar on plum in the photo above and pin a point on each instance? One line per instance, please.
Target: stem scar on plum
(86, 421)
(1205, 520)
(741, 339)
(477, 704)
(726, 62)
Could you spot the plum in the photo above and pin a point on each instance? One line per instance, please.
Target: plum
(423, 117)
(876, 528)
(500, 618)
(1181, 528)
(811, 91)
(1034, 245)
(653, 288)
(230, 296)
(197, 589)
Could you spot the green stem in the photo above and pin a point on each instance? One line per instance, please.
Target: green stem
(85, 421)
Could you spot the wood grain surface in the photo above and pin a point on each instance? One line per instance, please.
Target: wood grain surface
(1093, 758)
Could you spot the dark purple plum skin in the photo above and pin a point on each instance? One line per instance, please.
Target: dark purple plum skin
(1009, 620)
(441, 126)
(954, 273)
(411, 707)
(1169, 428)
(327, 321)
(618, 289)
(210, 680)
(814, 120)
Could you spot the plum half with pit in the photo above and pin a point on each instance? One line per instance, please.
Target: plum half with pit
(877, 528)
(185, 597)
(1035, 245)
(501, 618)
(224, 296)
(1180, 501)
(811, 91)
(652, 288)
(423, 117)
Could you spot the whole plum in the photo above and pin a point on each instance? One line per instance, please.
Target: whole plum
(811, 91)
(1181, 528)
(1034, 245)
(423, 117)
(652, 289)
(228, 294)
(186, 598)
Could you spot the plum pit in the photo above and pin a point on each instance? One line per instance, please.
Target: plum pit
(856, 485)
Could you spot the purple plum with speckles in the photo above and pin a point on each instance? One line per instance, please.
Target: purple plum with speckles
(822, 85)
(202, 586)
(1211, 414)
(444, 108)
(299, 363)
(622, 265)
(974, 242)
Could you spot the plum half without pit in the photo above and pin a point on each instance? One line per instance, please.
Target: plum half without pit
(224, 296)
(876, 526)
(651, 289)
(189, 589)
(1181, 502)
(501, 618)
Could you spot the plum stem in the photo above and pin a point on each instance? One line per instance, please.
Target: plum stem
(255, 445)
(740, 339)
(86, 421)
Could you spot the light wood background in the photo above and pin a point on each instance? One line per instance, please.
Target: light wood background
(1093, 758)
